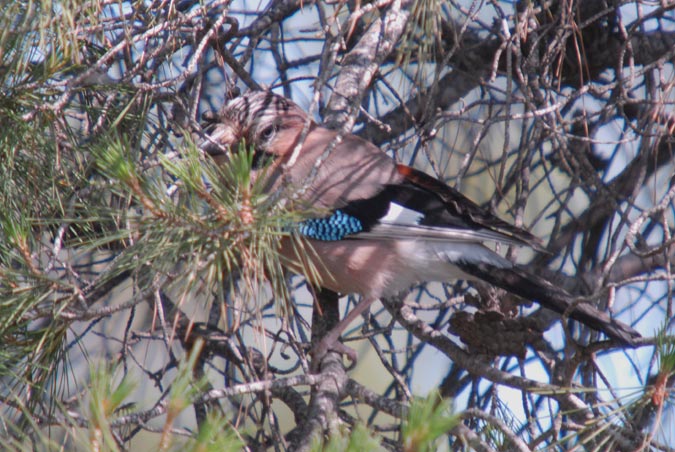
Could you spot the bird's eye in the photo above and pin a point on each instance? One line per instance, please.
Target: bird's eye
(267, 133)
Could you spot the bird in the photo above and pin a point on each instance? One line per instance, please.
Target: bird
(378, 227)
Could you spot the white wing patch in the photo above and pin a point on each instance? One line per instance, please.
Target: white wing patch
(402, 223)
(393, 231)
(397, 214)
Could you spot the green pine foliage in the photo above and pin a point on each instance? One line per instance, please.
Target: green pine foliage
(98, 193)
(429, 419)
(359, 439)
(108, 209)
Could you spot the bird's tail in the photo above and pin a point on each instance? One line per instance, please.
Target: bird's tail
(532, 287)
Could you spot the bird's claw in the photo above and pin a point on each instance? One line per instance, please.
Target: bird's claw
(322, 348)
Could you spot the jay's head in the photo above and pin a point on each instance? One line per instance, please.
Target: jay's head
(268, 123)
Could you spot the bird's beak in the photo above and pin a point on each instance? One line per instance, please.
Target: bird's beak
(217, 143)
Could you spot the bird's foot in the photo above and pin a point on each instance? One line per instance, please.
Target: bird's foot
(331, 341)
(328, 344)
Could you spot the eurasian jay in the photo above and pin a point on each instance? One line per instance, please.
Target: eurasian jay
(385, 226)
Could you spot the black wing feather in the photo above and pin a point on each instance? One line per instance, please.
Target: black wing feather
(439, 204)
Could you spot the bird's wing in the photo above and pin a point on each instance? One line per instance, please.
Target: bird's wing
(415, 206)
(443, 206)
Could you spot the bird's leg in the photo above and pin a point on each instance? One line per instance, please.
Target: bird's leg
(331, 340)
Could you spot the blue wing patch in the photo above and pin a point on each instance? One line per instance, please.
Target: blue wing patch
(332, 228)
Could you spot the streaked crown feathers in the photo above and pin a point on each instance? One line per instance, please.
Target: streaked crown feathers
(256, 116)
